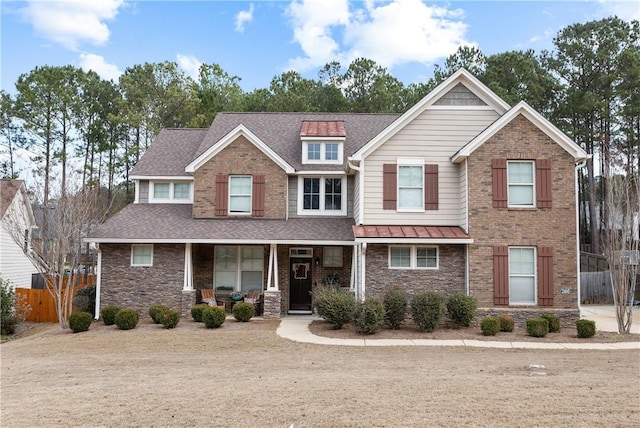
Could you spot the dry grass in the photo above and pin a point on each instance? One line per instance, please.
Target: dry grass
(243, 374)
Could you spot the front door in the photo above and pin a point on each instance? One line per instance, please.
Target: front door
(300, 284)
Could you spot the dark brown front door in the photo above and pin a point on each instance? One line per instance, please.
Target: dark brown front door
(300, 284)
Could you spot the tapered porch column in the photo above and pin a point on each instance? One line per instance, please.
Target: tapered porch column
(188, 293)
(272, 276)
(272, 296)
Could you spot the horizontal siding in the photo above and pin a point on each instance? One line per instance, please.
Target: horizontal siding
(463, 196)
(435, 135)
(356, 196)
(143, 189)
(14, 264)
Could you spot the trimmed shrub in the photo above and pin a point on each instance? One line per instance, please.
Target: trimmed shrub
(462, 309)
(196, 311)
(169, 318)
(213, 316)
(554, 322)
(243, 312)
(427, 310)
(85, 300)
(80, 321)
(369, 316)
(506, 323)
(395, 308)
(156, 310)
(8, 318)
(490, 326)
(537, 327)
(586, 328)
(108, 314)
(126, 319)
(334, 306)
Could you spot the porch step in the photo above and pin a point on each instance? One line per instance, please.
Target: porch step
(297, 312)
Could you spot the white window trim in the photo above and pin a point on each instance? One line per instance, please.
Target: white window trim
(141, 264)
(250, 212)
(533, 184)
(171, 199)
(323, 147)
(414, 257)
(409, 162)
(238, 284)
(535, 277)
(321, 210)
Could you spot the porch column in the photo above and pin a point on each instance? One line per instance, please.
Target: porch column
(272, 276)
(188, 269)
(354, 268)
(98, 283)
(363, 264)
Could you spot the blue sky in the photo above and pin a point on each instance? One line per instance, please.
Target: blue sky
(260, 39)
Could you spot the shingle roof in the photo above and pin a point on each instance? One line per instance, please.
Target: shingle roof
(8, 190)
(171, 223)
(170, 152)
(433, 233)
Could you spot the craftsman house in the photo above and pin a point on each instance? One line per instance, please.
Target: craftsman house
(462, 193)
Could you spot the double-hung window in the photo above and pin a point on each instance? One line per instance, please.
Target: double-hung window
(411, 187)
(170, 192)
(239, 267)
(239, 194)
(322, 195)
(413, 257)
(322, 152)
(522, 276)
(520, 182)
(142, 255)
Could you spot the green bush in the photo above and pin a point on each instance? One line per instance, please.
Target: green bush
(126, 319)
(506, 323)
(427, 310)
(169, 318)
(586, 328)
(537, 327)
(334, 306)
(156, 310)
(461, 309)
(8, 318)
(196, 311)
(108, 314)
(395, 308)
(243, 311)
(369, 316)
(80, 321)
(85, 300)
(213, 316)
(490, 326)
(554, 322)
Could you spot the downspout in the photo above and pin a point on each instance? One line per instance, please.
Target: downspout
(98, 283)
(578, 166)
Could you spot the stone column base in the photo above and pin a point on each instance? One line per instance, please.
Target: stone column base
(188, 300)
(272, 301)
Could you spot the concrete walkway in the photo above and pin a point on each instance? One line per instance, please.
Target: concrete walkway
(296, 328)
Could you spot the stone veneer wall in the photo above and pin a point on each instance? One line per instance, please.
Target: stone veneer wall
(141, 287)
(240, 158)
(567, 317)
(555, 227)
(447, 280)
(272, 305)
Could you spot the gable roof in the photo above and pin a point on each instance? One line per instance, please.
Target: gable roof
(522, 108)
(238, 131)
(461, 76)
(8, 191)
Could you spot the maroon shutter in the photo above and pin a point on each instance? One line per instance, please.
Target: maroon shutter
(501, 275)
(545, 276)
(499, 173)
(257, 199)
(389, 186)
(431, 187)
(543, 183)
(222, 194)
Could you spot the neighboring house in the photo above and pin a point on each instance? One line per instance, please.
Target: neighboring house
(462, 193)
(16, 218)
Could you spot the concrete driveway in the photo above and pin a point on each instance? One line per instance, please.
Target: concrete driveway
(605, 317)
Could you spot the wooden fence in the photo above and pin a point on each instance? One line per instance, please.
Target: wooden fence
(593, 262)
(595, 288)
(42, 303)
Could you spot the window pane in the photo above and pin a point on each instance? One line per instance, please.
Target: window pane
(240, 185)
(520, 172)
(252, 258)
(240, 204)
(521, 261)
(181, 190)
(426, 257)
(161, 190)
(226, 259)
(313, 151)
(332, 194)
(332, 257)
(410, 176)
(520, 195)
(331, 152)
(311, 195)
(410, 198)
(141, 254)
(521, 290)
(251, 281)
(400, 256)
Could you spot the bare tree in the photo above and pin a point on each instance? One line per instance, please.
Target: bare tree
(623, 200)
(56, 254)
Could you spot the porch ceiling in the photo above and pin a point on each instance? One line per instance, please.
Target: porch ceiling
(174, 223)
(408, 234)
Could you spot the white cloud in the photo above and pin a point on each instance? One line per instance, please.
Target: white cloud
(623, 9)
(391, 33)
(72, 22)
(100, 66)
(189, 64)
(243, 17)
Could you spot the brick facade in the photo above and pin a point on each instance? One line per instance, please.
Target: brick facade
(240, 158)
(554, 227)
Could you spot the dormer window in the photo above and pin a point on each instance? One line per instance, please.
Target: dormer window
(170, 192)
(322, 142)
